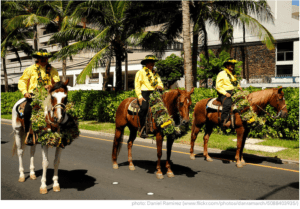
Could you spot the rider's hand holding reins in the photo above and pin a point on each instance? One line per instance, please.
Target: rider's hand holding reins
(47, 87)
(141, 100)
(228, 95)
(27, 95)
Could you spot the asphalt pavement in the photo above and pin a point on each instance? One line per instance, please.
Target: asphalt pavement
(86, 173)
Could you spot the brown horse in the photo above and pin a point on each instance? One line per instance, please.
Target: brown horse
(258, 100)
(176, 101)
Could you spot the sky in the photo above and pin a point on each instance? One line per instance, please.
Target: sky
(295, 2)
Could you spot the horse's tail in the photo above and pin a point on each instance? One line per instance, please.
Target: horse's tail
(120, 142)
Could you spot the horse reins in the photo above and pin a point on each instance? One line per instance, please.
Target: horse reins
(61, 106)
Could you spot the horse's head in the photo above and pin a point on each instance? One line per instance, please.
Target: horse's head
(278, 102)
(59, 97)
(184, 102)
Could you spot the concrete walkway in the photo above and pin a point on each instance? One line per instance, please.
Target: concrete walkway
(251, 145)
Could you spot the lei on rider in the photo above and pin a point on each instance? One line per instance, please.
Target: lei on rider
(158, 109)
(39, 125)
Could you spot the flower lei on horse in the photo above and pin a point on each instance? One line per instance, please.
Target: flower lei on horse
(158, 109)
(41, 128)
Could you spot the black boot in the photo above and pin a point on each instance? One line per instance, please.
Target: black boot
(144, 134)
(29, 140)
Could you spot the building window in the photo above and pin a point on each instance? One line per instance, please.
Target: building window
(284, 70)
(285, 51)
(94, 79)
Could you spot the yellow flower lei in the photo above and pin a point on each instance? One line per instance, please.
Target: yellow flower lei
(152, 81)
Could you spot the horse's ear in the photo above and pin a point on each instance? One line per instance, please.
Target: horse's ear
(192, 91)
(52, 81)
(280, 90)
(67, 81)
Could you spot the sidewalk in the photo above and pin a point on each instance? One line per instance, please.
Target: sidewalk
(250, 144)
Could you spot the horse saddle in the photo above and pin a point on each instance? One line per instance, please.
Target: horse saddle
(134, 108)
(20, 109)
(216, 104)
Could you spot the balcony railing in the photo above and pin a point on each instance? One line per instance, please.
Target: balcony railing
(283, 79)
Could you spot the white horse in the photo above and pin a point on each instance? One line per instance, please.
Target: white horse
(56, 115)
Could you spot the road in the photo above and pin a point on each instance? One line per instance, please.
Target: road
(86, 173)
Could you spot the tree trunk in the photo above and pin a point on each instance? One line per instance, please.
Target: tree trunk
(126, 72)
(5, 74)
(107, 71)
(187, 46)
(195, 56)
(35, 39)
(118, 69)
(64, 66)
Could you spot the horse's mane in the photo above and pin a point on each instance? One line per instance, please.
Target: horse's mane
(260, 98)
(170, 100)
(58, 85)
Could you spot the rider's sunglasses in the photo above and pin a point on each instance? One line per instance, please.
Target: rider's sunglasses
(44, 59)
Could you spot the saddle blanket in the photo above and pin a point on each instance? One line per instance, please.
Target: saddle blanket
(210, 105)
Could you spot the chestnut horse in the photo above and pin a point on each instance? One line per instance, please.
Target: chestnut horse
(56, 115)
(176, 101)
(258, 100)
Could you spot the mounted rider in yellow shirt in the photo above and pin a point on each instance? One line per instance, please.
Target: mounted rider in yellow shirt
(146, 81)
(29, 80)
(226, 81)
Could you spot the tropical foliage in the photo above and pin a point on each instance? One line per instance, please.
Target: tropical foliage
(209, 68)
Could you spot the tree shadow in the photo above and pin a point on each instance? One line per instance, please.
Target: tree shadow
(150, 167)
(76, 179)
(229, 155)
(294, 185)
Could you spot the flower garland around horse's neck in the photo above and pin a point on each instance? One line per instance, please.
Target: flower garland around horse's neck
(152, 81)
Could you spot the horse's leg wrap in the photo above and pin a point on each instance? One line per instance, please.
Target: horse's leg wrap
(56, 187)
(32, 152)
(43, 188)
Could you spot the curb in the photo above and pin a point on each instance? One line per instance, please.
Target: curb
(196, 148)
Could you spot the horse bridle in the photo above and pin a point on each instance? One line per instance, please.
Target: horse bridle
(280, 111)
(61, 106)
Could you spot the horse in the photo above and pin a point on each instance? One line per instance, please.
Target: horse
(177, 103)
(55, 115)
(258, 100)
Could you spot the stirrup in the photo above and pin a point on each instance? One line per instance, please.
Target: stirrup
(143, 133)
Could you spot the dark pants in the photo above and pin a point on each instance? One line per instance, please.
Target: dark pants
(226, 105)
(27, 114)
(144, 107)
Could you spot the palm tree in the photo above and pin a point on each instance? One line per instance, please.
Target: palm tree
(110, 31)
(12, 40)
(187, 46)
(222, 15)
(53, 14)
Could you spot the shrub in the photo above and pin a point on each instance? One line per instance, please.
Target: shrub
(102, 106)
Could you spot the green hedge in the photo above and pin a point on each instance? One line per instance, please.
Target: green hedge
(102, 106)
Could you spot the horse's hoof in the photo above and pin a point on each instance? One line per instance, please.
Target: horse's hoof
(192, 157)
(243, 163)
(170, 174)
(32, 177)
(239, 165)
(115, 166)
(56, 189)
(159, 176)
(131, 167)
(208, 159)
(22, 179)
(43, 191)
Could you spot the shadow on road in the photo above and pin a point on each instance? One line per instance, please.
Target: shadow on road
(4, 142)
(229, 155)
(294, 185)
(150, 167)
(76, 179)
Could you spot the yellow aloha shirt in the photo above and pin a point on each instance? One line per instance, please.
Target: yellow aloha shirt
(223, 83)
(29, 79)
(142, 83)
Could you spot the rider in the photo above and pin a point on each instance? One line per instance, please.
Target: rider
(146, 81)
(226, 81)
(29, 80)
